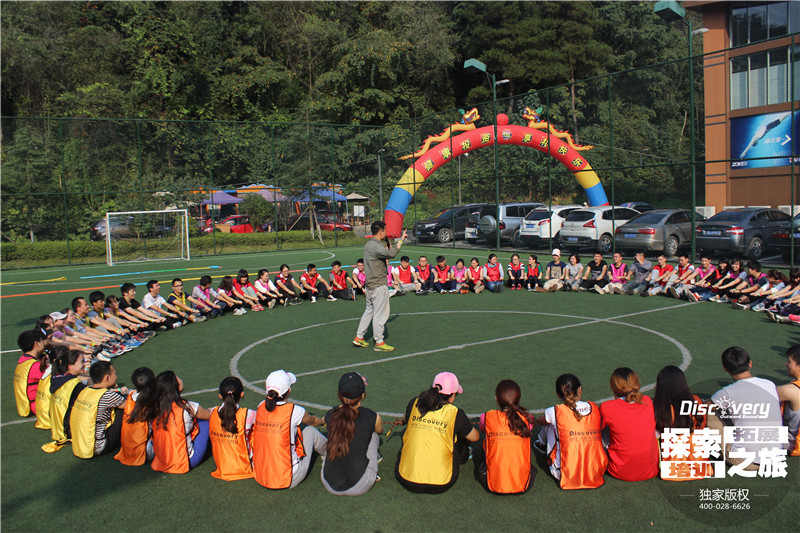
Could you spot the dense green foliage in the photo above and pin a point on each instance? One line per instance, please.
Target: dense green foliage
(231, 93)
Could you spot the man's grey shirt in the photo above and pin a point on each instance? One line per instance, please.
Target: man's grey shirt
(375, 255)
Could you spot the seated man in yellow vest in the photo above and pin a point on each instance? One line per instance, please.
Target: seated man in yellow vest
(96, 419)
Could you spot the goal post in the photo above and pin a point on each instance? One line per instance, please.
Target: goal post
(146, 236)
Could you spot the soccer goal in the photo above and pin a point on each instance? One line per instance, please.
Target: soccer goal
(146, 235)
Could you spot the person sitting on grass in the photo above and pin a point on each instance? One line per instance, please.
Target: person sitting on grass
(575, 463)
(281, 451)
(702, 274)
(704, 289)
(638, 274)
(128, 304)
(493, 274)
(246, 292)
(572, 273)
(533, 273)
(182, 302)
(554, 274)
(671, 399)
(65, 385)
(444, 280)
(425, 274)
(107, 322)
(682, 279)
(659, 276)
(616, 276)
(136, 446)
(756, 301)
(458, 273)
(267, 288)
(350, 467)
(339, 281)
(204, 298)
(288, 287)
(359, 277)
(93, 328)
(155, 303)
(515, 272)
(230, 428)
(315, 285)
(60, 334)
(774, 302)
(755, 281)
(180, 427)
(633, 449)
(789, 395)
(595, 273)
(736, 276)
(435, 439)
(96, 419)
(226, 296)
(507, 466)
(475, 276)
(30, 368)
(140, 327)
(405, 277)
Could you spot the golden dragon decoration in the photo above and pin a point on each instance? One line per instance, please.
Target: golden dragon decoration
(468, 123)
(536, 123)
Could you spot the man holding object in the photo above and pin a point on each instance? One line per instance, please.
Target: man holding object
(376, 251)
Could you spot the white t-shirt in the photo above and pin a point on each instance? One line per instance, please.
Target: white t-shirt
(149, 301)
(552, 442)
(269, 288)
(188, 425)
(396, 270)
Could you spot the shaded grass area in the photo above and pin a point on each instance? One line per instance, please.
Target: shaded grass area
(531, 338)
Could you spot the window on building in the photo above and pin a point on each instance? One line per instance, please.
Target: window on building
(754, 22)
(763, 78)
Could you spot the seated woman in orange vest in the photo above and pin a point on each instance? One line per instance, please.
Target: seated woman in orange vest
(281, 452)
(508, 468)
(30, 367)
(180, 427)
(789, 396)
(65, 385)
(96, 419)
(578, 463)
(434, 443)
(351, 466)
(670, 405)
(230, 428)
(136, 446)
(633, 450)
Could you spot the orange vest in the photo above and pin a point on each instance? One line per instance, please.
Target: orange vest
(583, 459)
(133, 438)
(508, 456)
(795, 446)
(230, 449)
(272, 446)
(169, 444)
(689, 467)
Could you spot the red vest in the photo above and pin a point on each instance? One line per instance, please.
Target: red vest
(683, 270)
(311, 280)
(533, 272)
(442, 275)
(405, 276)
(508, 456)
(475, 273)
(425, 273)
(339, 280)
(272, 446)
(493, 271)
(515, 268)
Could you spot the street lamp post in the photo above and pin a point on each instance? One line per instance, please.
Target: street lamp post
(477, 65)
(380, 181)
(670, 11)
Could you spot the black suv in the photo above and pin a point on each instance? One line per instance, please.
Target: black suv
(444, 226)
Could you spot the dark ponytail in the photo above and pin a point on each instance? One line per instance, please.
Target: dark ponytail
(342, 428)
(431, 400)
(272, 400)
(508, 395)
(567, 386)
(231, 390)
(142, 379)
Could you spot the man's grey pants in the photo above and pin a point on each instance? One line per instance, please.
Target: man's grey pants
(377, 312)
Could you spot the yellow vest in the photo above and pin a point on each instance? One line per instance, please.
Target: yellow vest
(427, 453)
(21, 375)
(59, 402)
(83, 421)
(43, 401)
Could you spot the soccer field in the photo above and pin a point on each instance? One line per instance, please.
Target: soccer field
(528, 337)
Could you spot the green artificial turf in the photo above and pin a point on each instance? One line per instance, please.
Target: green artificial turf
(529, 337)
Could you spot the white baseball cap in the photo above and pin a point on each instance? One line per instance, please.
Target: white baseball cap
(280, 381)
(556, 251)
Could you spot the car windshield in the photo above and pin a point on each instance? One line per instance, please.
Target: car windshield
(648, 218)
(580, 216)
(731, 216)
(444, 213)
(538, 215)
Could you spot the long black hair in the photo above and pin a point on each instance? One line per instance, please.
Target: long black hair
(156, 407)
(508, 395)
(231, 390)
(431, 400)
(672, 390)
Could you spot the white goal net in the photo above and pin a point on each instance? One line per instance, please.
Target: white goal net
(146, 235)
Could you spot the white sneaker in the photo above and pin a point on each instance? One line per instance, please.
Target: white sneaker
(479, 289)
(331, 298)
(176, 325)
(598, 289)
(271, 304)
(239, 312)
(313, 299)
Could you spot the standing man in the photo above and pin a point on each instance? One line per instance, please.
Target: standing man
(376, 252)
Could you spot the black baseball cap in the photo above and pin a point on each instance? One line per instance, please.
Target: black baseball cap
(351, 385)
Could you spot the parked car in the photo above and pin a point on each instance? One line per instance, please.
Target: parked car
(593, 227)
(642, 207)
(446, 225)
(474, 219)
(780, 240)
(540, 224)
(660, 230)
(748, 231)
(236, 223)
(126, 228)
(507, 222)
(303, 222)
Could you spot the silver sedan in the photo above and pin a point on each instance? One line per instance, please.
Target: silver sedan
(660, 230)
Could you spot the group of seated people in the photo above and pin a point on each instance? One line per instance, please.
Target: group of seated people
(275, 442)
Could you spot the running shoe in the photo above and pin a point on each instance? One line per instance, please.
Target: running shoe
(200, 318)
(421, 293)
(674, 293)
(239, 312)
(758, 308)
(271, 304)
(360, 343)
(618, 290)
(313, 299)
(598, 289)
(479, 289)
(295, 301)
(383, 347)
(714, 299)
(442, 291)
(777, 318)
(453, 290)
(530, 290)
(133, 343)
(540, 447)
(331, 298)
(737, 305)
(101, 357)
(692, 297)
(285, 302)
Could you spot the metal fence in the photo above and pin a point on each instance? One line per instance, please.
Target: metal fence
(656, 136)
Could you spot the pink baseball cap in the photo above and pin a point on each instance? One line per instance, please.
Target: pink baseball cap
(447, 383)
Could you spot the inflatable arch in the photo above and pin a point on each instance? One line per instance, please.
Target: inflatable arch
(429, 160)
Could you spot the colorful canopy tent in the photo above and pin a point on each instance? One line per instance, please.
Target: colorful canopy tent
(355, 197)
(220, 198)
(319, 194)
(272, 195)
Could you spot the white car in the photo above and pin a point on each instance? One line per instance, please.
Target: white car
(593, 227)
(541, 224)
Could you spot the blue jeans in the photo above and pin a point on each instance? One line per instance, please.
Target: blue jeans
(446, 286)
(200, 444)
(494, 286)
